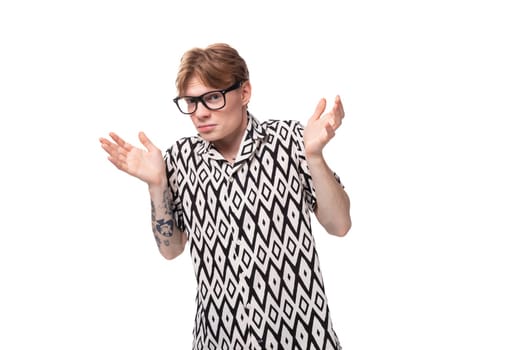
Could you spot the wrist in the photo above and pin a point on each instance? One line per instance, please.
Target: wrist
(157, 188)
(314, 157)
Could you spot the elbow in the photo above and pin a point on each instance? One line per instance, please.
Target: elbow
(170, 255)
(342, 229)
(170, 249)
(171, 252)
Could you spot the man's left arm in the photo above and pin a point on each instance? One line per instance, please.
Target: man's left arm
(332, 202)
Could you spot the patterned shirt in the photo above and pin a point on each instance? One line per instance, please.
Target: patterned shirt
(259, 283)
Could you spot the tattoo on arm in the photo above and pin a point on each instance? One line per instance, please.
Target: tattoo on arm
(166, 200)
(153, 212)
(164, 227)
(164, 224)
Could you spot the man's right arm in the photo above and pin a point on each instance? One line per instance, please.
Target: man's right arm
(148, 165)
(170, 240)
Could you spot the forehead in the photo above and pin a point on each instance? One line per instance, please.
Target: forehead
(196, 87)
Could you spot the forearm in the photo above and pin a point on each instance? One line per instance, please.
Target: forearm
(170, 240)
(333, 203)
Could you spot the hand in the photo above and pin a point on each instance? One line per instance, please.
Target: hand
(146, 165)
(321, 128)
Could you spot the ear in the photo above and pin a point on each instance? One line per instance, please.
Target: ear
(246, 92)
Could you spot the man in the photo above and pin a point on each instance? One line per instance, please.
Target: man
(241, 192)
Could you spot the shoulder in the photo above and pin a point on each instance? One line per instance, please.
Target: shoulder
(283, 128)
(184, 147)
(280, 123)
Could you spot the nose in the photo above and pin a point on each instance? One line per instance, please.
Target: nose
(201, 111)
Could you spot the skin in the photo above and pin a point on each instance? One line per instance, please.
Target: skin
(333, 204)
(225, 129)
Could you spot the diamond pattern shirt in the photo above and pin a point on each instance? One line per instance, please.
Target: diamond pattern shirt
(259, 282)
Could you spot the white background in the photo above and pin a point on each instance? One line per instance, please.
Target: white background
(431, 152)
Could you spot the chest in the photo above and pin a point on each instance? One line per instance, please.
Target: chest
(265, 179)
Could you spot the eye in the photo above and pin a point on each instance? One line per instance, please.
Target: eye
(213, 97)
(190, 100)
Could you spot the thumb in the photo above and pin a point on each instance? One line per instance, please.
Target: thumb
(146, 142)
(319, 110)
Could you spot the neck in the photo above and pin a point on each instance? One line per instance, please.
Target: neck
(229, 147)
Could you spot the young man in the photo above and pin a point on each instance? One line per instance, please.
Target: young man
(241, 192)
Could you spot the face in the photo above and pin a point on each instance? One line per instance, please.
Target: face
(224, 127)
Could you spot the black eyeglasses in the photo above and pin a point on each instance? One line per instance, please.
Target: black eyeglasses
(213, 100)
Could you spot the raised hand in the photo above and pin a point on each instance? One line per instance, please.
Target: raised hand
(146, 165)
(321, 128)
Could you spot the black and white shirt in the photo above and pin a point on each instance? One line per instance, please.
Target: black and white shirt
(259, 283)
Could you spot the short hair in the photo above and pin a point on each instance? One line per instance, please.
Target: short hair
(218, 65)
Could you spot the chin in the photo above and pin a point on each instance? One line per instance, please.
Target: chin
(209, 137)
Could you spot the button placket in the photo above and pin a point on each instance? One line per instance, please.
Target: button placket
(239, 251)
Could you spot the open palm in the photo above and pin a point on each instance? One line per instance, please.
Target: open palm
(321, 128)
(147, 165)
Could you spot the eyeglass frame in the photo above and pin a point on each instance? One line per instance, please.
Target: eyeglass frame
(200, 99)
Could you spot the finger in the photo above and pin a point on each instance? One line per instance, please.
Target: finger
(330, 131)
(119, 141)
(108, 146)
(147, 142)
(122, 160)
(335, 122)
(321, 105)
(117, 162)
(113, 161)
(104, 142)
(338, 109)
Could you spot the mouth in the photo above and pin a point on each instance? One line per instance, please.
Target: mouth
(206, 127)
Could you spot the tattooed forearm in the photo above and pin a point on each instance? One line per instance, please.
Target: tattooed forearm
(165, 206)
(169, 239)
(161, 219)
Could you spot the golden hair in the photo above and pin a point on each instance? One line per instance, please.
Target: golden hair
(217, 66)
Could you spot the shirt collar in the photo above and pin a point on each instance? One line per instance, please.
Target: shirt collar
(255, 133)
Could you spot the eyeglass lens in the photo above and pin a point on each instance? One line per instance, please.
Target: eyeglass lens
(212, 100)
